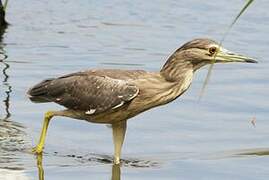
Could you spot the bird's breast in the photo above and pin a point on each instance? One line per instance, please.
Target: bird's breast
(156, 92)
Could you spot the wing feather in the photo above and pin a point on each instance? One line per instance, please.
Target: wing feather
(83, 91)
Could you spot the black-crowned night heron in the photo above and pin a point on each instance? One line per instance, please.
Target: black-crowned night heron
(112, 96)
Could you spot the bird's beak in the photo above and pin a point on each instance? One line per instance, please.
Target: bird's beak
(225, 56)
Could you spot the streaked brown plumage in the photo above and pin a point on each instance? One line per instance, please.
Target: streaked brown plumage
(112, 96)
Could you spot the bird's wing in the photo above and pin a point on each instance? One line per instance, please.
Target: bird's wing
(83, 91)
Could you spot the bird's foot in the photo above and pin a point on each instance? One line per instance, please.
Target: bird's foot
(37, 150)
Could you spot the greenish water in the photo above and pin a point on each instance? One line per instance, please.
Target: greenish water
(187, 139)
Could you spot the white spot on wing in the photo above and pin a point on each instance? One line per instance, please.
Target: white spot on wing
(91, 111)
(119, 105)
(133, 96)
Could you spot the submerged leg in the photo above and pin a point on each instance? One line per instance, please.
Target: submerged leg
(119, 130)
(39, 148)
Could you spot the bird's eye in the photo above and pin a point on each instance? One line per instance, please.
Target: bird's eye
(212, 50)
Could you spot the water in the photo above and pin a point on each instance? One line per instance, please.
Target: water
(187, 139)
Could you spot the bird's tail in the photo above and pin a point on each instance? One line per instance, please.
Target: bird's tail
(39, 92)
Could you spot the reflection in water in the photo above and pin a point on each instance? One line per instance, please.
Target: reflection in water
(239, 153)
(93, 158)
(255, 152)
(116, 169)
(12, 144)
(116, 172)
(8, 90)
(71, 160)
(12, 135)
(39, 163)
(3, 57)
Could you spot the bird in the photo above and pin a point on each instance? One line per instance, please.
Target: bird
(112, 96)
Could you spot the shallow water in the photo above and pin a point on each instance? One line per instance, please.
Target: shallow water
(187, 139)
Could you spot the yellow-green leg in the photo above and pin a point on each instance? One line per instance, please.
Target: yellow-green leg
(119, 130)
(39, 159)
(39, 148)
(116, 172)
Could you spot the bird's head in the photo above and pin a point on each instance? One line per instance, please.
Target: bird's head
(198, 53)
(201, 52)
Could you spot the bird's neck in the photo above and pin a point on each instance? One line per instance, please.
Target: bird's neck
(176, 70)
(160, 91)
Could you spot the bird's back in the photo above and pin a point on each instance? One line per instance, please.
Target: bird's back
(92, 91)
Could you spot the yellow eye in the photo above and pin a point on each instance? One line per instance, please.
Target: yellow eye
(212, 50)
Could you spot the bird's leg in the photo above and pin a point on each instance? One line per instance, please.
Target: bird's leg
(39, 148)
(119, 130)
(116, 172)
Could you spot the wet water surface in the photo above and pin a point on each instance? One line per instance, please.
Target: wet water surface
(186, 139)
